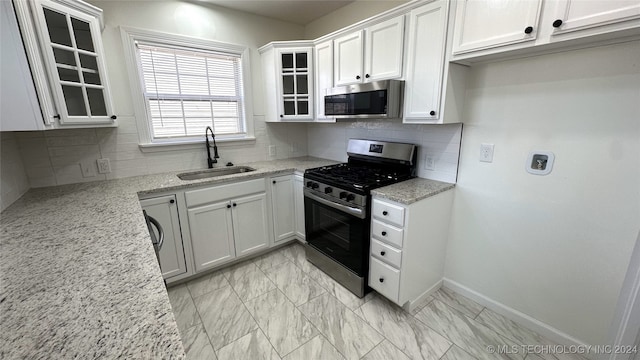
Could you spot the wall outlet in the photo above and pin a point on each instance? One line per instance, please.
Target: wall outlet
(87, 168)
(430, 163)
(272, 150)
(486, 152)
(104, 166)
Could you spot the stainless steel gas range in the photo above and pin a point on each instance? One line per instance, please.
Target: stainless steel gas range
(337, 202)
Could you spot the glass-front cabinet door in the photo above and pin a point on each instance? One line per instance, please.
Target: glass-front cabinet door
(74, 58)
(295, 84)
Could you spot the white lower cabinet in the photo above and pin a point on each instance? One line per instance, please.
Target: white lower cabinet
(283, 208)
(227, 221)
(408, 245)
(164, 209)
(298, 197)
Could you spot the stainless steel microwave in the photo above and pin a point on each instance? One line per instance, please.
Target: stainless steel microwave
(377, 99)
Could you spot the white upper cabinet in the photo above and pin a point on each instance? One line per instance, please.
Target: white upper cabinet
(71, 45)
(573, 15)
(323, 76)
(425, 63)
(485, 24)
(348, 59)
(378, 57)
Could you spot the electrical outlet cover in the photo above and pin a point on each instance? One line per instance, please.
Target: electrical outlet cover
(486, 152)
(430, 163)
(104, 166)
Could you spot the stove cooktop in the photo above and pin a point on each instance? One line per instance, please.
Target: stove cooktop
(363, 177)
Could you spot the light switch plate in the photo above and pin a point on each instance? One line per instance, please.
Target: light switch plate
(429, 163)
(87, 168)
(486, 152)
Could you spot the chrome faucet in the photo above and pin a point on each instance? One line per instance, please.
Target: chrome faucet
(211, 161)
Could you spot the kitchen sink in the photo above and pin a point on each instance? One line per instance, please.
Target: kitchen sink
(204, 174)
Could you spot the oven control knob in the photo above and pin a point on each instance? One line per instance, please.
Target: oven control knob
(315, 185)
(309, 183)
(328, 190)
(343, 194)
(350, 197)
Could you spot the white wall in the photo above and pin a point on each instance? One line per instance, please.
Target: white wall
(554, 247)
(52, 157)
(347, 15)
(329, 141)
(13, 178)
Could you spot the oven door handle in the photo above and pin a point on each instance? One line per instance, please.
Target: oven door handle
(344, 208)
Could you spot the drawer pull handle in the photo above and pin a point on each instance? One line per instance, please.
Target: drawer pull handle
(384, 233)
(385, 213)
(382, 253)
(381, 280)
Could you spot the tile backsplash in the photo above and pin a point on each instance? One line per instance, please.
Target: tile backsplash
(442, 142)
(53, 157)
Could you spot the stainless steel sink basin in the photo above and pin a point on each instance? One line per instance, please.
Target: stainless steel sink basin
(204, 174)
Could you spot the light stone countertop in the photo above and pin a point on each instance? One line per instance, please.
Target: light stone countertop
(78, 274)
(410, 191)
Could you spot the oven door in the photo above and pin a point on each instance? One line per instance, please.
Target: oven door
(338, 231)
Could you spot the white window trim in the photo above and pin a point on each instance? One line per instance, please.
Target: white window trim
(129, 37)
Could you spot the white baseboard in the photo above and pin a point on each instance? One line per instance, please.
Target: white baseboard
(411, 305)
(525, 320)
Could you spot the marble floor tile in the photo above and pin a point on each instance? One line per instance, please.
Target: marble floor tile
(410, 335)
(422, 304)
(224, 316)
(183, 307)
(249, 281)
(385, 351)
(350, 335)
(237, 270)
(254, 346)
(196, 344)
(456, 353)
(282, 323)
(463, 331)
(458, 302)
(296, 254)
(207, 283)
(269, 260)
(520, 334)
(340, 292)
(294, 283)
(316, 348)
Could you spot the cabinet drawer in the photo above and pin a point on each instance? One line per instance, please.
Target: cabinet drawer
(387, 233)
(386, 253)
(388, 213)
(222, 192)
(384, 279)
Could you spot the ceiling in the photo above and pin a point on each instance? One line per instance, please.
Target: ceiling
(299, 12)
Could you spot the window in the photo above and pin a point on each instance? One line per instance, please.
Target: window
(187, 84)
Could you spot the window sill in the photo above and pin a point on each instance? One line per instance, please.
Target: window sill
(193, 144)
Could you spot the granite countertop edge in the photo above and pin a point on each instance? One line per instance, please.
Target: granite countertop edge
(411, 191)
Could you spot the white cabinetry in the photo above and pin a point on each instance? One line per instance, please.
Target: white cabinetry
(164, 209)
(323, 61)
(227, 221)
(283, 207)
(574, 15)
(298, 196)
(425, 63)
(408, 245)
(378, 57)
(288, 68)
(491, 23)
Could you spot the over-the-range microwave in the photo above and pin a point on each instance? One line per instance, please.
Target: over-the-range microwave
(376, 99)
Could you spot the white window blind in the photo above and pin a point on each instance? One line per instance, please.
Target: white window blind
(187, 90)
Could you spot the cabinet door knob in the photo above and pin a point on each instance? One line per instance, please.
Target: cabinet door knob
(367, 76)
(171, 201)
(385, 213)
(113, 117)
(432, 112)
(273, 182)
(56, 116)
(281, 115)
(557, 23)
(381, 280)
(234, 204)
(384, 233)
(528, 30)
(357, 77)
(382, 253)
(228, 206)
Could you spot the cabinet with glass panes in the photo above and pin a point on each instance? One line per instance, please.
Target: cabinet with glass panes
(295, 83)
(71, 48)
